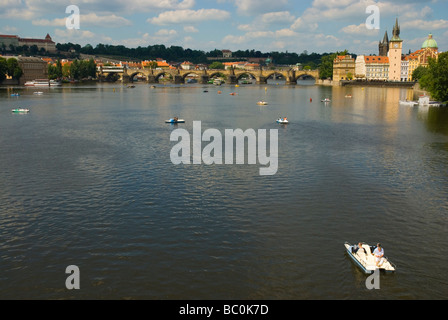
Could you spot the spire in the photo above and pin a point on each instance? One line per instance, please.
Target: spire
(396, 31)
(386, 38)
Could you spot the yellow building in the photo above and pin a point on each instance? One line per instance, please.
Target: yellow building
(421, 57)
(343, 68)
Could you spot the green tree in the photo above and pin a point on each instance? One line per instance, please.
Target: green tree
(435, 81)
(91, 68)
(14, 69)
(419, 72)
(59, 69)
(217, 65)
(3, 69)
(151, 65)
(326, 66)
(75, 70)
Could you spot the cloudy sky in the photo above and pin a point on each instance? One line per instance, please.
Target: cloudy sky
(265, 25)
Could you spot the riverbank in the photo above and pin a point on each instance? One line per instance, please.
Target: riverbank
(385, 84)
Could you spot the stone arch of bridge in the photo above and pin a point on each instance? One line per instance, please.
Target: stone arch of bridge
(239, 75)
(305, 75)
(186, 74)
(162, 73)
(133, 74)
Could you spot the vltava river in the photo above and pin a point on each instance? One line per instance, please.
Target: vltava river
(86, 179)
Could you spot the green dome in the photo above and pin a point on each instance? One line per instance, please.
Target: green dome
(429, 43)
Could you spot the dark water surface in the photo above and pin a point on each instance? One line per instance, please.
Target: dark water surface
(86, 179)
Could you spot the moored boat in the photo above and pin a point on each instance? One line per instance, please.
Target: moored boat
(38, 83)
(55, 83)
(326, 100)
(408, 103)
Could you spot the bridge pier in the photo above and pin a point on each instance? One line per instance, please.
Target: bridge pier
(290, 81)
(178, 79)
(261, 80)
(203, 79)
(152, 79)
(125, 78)
(231, 79)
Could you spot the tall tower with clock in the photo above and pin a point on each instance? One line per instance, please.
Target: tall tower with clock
(395, 51)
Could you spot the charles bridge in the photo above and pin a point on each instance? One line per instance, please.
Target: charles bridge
(231, 75)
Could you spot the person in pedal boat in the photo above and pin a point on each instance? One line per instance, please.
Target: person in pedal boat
(359, 247)
(378, 253)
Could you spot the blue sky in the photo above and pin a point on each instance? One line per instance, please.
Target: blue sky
(265, 25)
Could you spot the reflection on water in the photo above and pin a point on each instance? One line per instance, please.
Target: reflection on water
(87, 179)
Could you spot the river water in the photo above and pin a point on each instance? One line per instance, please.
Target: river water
(86, 179)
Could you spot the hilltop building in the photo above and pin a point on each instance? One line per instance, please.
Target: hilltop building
(6, 41)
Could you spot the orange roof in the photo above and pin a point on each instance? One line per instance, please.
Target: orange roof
(162, 64)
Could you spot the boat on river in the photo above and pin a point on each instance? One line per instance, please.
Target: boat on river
(262, 103)
(408, 103)
(282, 120)
(325, 100)
(365, 259)
(175, 120)
(20, 110)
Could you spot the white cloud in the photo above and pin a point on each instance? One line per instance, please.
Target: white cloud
(190, 29)
(166, 33)
(189, 16)
(425, 25)
(277, 17)
(359, 30)
(255, 7)
(90, 19)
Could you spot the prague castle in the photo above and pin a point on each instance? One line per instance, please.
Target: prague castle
(9, 41)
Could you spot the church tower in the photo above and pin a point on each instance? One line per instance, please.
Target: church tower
(395, 51)
(383, 47)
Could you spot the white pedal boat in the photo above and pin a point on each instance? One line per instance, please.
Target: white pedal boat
(175, 121)
(282, 121)
(408, 103)
(20, 110)
(367, 262)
